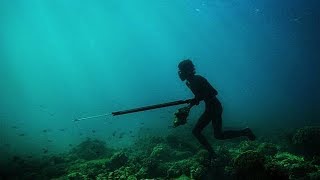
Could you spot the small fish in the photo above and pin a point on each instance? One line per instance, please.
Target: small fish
(49, 140)
(121, 134)
(80, 134)
(45, 150)
(130, 132)
(93, 131)
(22, 134)
(114, 133)
(14, 127)
(70, 145)
(132, 136)
(142, 123)
(29, 156)
(46, 130)
(62, 129)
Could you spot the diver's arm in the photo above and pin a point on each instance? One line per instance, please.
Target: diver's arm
(194, 101)
(196, 89)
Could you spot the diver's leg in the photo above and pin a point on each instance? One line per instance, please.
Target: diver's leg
(219, 134)
(203, 121)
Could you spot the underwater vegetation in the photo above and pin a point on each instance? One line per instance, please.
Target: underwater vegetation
(175, 157)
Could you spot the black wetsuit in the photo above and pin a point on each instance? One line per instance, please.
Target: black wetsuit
(203, 90)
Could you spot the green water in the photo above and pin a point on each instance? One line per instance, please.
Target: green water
(65, 59)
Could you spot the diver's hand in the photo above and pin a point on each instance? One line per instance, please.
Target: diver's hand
(186, 109)
(193, 102)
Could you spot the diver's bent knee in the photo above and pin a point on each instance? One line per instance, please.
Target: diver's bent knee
(196, 132)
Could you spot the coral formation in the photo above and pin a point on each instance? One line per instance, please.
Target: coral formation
(294, 165)
(307, 140)
(268, 149)
(171, 158)
(249, 163)
(91, 149)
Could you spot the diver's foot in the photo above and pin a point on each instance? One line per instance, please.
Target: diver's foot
(211, 158)
(247, 132)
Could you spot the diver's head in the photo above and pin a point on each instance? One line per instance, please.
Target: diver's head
(186, 69)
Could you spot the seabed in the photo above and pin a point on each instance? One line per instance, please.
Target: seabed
(286, 155)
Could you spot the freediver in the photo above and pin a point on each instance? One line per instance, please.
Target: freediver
(203, 91)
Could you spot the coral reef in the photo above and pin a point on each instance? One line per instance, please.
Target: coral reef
(295, 166)
(91, 149)
(268, 149)
(249, 163)
(172, 157)
(307, 140)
